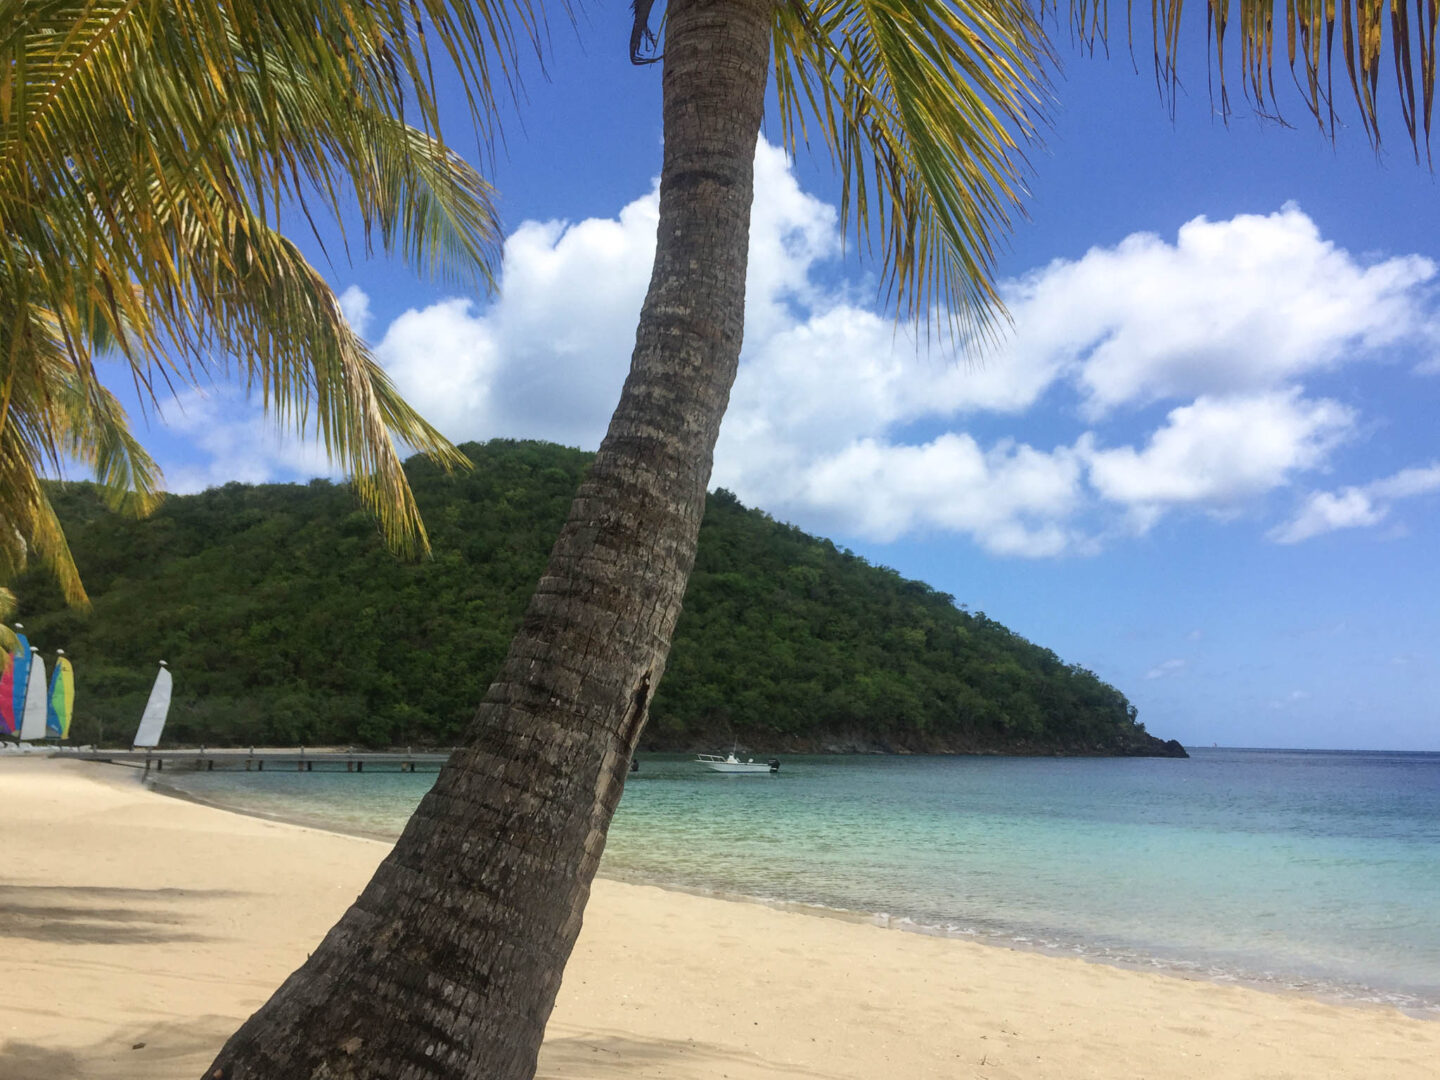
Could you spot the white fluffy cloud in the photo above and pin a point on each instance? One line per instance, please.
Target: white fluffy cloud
(1232, 306)
(445, 360)
(548, 357)
(1356, 507)
(1011, 498)
(1218, 451)
(355, 304)
(237, 441)
(1224, 319)
(840, 421)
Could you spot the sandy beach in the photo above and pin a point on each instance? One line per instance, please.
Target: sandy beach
(138, 930)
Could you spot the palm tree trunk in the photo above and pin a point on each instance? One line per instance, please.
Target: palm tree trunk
(448, 964)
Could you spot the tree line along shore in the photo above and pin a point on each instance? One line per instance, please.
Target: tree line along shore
(288, 622)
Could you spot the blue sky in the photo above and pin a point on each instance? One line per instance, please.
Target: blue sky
(1203, 464)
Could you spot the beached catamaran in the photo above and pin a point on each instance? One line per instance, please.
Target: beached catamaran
(61, 705)
(12, 684)
(28, 711)
(7, 693)
(152, 720)
(32, 723)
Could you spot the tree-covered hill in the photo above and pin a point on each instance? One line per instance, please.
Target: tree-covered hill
(286, 622)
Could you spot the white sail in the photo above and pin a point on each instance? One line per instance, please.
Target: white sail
(152, 722)
(36, 695)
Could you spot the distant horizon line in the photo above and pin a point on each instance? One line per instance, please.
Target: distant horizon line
(1311, 749)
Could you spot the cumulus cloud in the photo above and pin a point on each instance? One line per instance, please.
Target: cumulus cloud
(237, 442)
(1224, 318)
(445, 359)
(1355, 507)
(355, 305)
(548, 357)
(1218, 451)
(1232, 306)
(1010, 499)
(841, 421)
(1166, 669)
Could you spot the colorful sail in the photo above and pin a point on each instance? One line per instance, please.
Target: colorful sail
(62, 700)
(32, 723)
(152, 721)
(14, 707)
(7, 694)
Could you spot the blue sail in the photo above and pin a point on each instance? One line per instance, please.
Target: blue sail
(19, 678)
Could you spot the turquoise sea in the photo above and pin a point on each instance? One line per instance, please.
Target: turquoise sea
(1310, 870)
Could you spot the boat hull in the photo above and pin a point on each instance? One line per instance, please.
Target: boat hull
(732, 764)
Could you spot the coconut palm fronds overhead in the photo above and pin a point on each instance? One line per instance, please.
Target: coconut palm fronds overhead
(148, 150)
(925, 108)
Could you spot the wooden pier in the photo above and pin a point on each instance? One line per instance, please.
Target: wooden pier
(238, 760)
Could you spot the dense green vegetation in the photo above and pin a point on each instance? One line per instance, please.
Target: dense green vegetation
(286, 621)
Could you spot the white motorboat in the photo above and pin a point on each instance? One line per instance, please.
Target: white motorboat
(732, 764)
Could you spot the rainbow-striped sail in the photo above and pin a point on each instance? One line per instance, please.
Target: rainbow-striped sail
(62, 700)
(7, 693)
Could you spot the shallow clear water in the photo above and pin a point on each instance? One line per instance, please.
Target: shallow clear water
(1300, 869)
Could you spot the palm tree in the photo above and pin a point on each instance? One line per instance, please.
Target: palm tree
(448, 964)
(147, 151)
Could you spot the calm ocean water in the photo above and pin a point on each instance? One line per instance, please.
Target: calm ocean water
(1309, 870)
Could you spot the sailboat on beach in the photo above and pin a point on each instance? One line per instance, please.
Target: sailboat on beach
(7, 693)
(152, 721)
(32, 722)
(61, 704)
(16, 670)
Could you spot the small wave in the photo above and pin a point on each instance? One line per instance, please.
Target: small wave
(1332, 991)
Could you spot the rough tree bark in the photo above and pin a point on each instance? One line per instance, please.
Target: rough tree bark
(448, 964)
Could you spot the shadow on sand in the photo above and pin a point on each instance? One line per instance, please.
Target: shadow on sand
(601, 1055)
(90, 915)
(181, 1048)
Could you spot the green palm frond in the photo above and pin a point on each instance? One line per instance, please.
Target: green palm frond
(154, 116)
(1306, 35)
(54, 418)
(96, 432)
(280, 320)
(34, 532)
(8, 606)
(924, 106)
(148, 151)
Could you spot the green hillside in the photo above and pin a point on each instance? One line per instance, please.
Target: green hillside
(286, 623)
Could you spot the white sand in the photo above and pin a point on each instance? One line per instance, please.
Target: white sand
(128, 917)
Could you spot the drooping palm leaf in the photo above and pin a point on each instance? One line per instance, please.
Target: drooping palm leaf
(924, 107)
(279, 319)
(8, 606)
(147, 151)
(55, 418)
(1310, 32)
